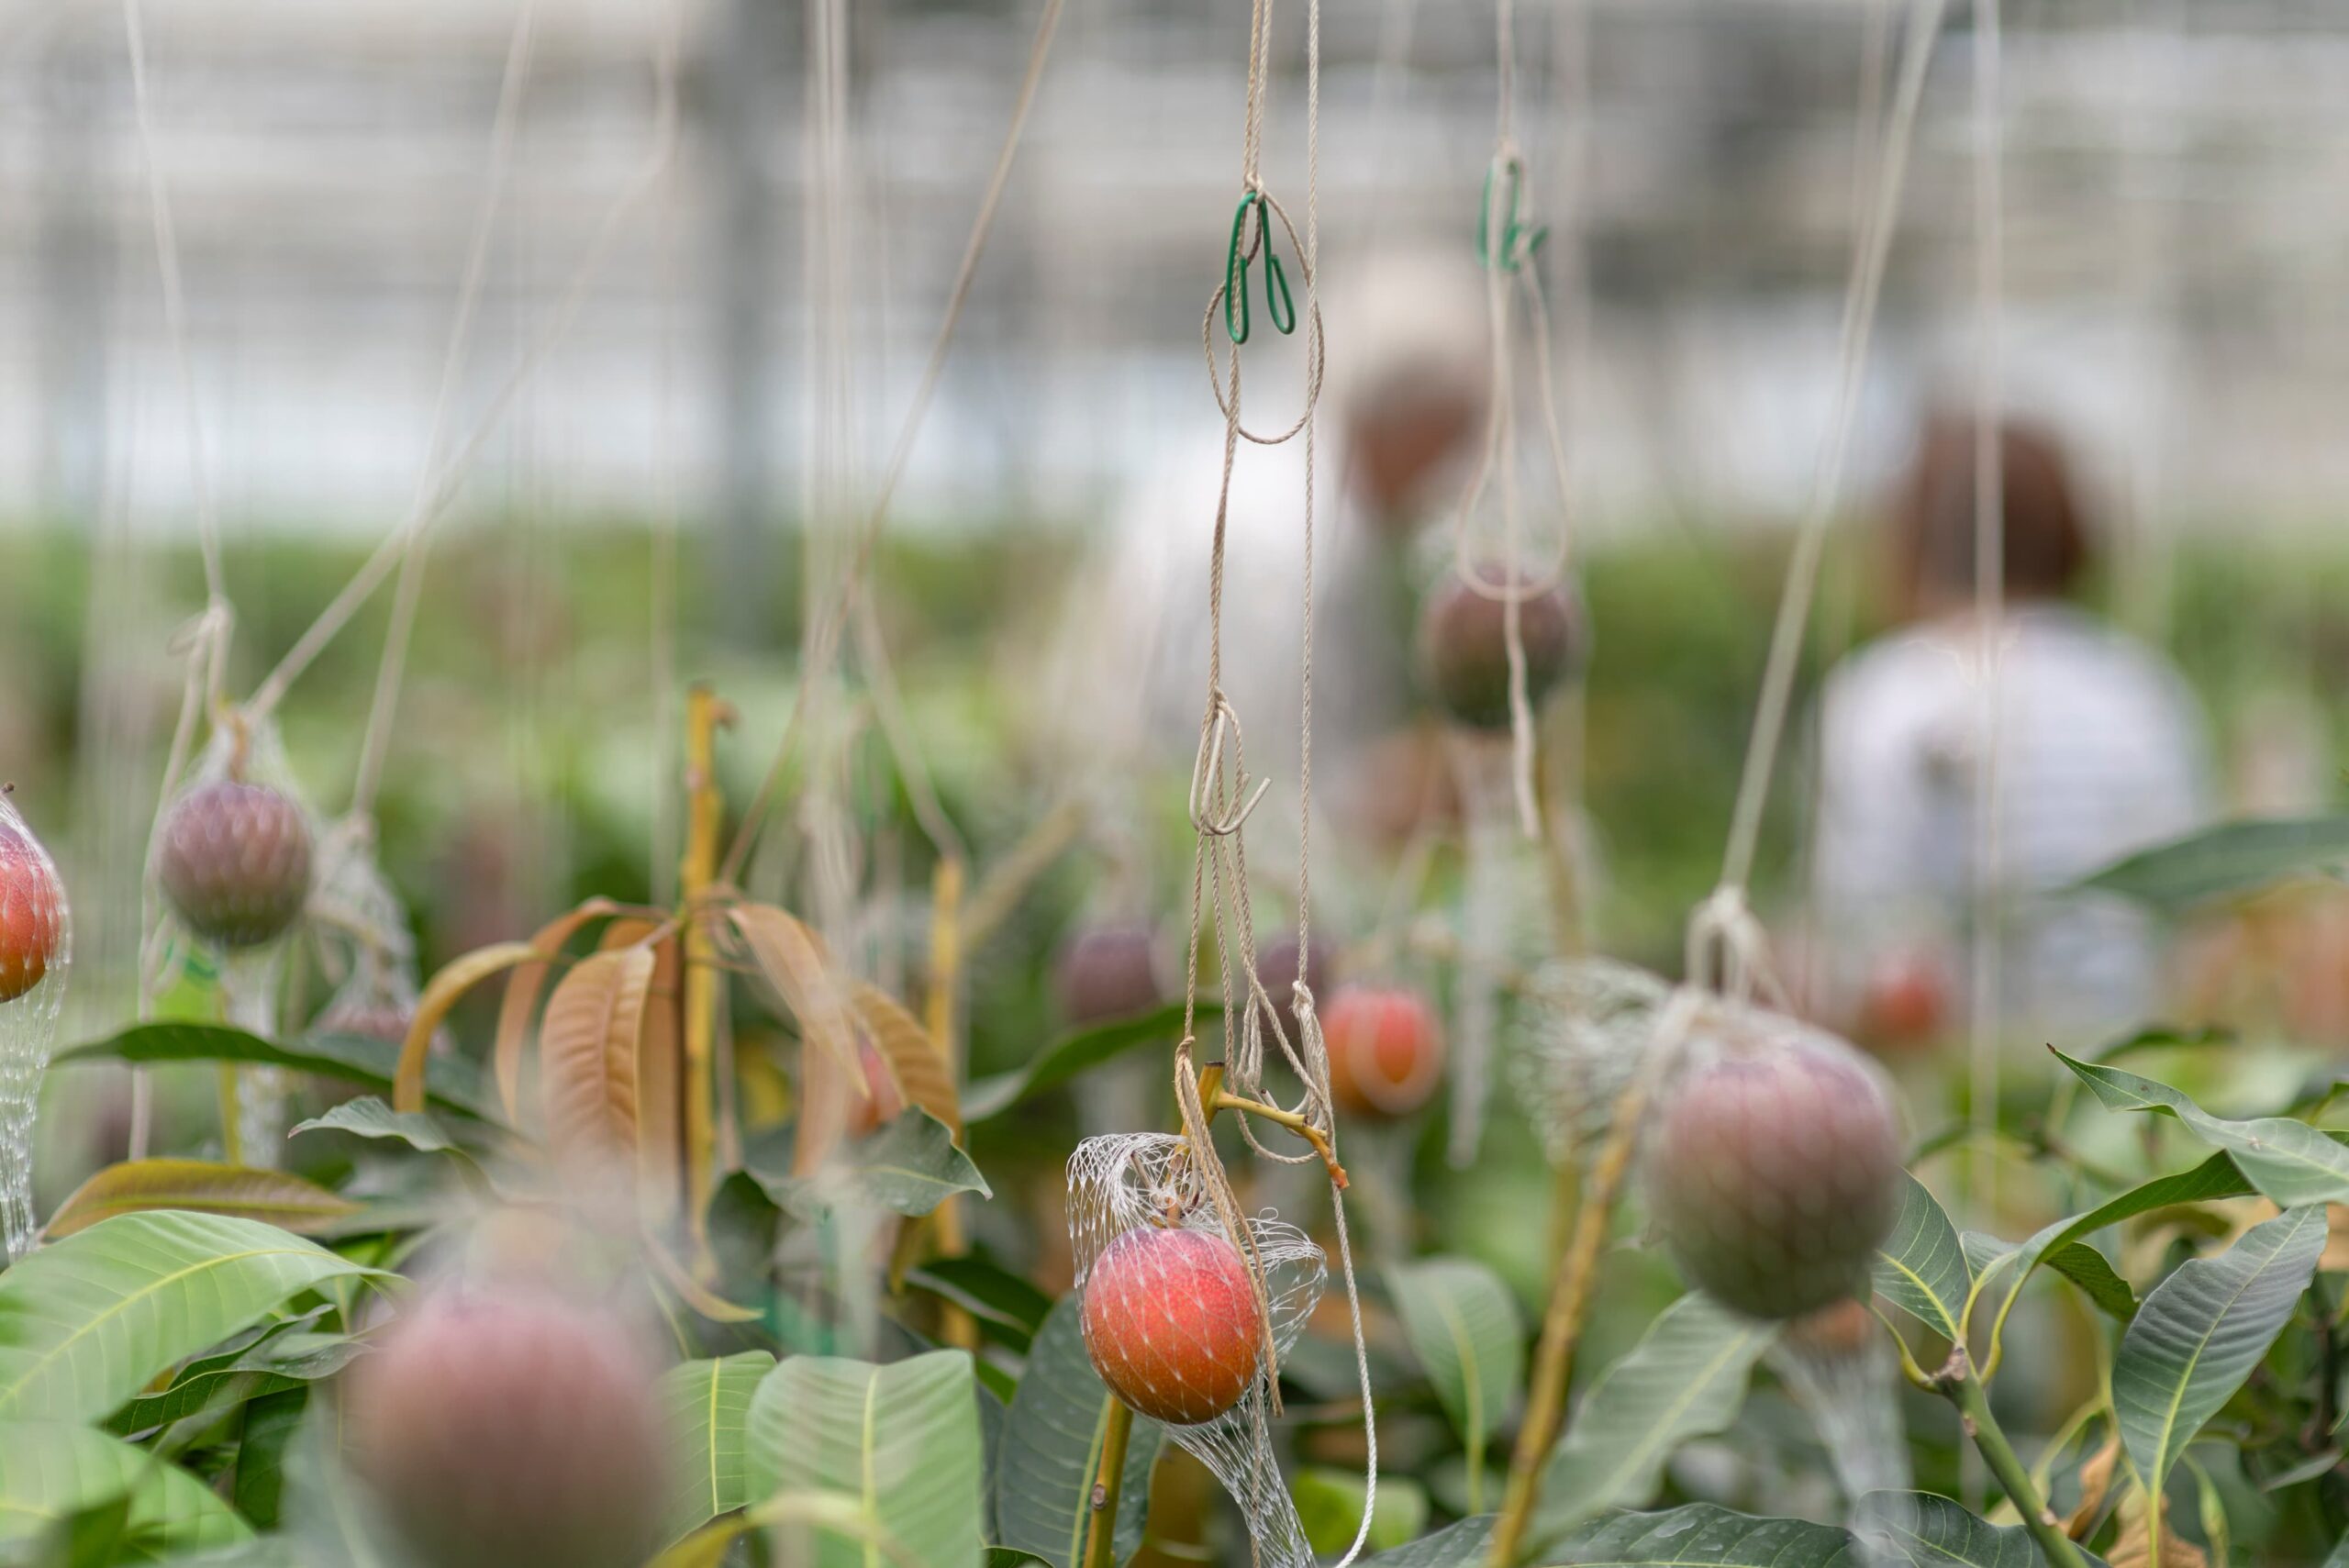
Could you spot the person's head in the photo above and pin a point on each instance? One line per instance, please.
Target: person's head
(1410, 366)
(2044, 540)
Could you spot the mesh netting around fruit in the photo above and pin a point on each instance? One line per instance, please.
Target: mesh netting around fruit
(1174, 1319)
(247, 751)
(1840, 1367)
(28, 1027)
(1589, 1023)
(363, 939)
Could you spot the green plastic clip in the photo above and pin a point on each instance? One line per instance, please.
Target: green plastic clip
(1518, 240)
(1278, 302)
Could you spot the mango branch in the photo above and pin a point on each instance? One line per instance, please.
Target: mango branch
(1217, 1100)
(1562, 1323)
(1956, 1383)
(1109, 1481)
(704, 981)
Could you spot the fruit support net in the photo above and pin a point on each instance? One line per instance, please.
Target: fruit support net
(1122, 1182)
(27, 1031)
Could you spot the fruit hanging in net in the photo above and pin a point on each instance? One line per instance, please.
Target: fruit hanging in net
(35, 950)
(1169, 1300)
(234, 862)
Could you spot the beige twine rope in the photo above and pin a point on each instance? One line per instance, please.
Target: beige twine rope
(1220, 797)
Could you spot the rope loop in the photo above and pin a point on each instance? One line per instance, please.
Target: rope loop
(1231, 299)
(1729, 952)
(1217, 805)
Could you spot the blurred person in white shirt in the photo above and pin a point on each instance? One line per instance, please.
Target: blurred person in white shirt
(2101, 751)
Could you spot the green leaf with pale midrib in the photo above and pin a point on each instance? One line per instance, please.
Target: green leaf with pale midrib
(909, 1167)
(2230, 858)
(707, 1407)
(88, 1322)
(369, 1116)
(1050, 1448)
(49, 1471)
(1684, 1378)
(2290, 1162)
(2214, 1178)
(1930, 1531)
(1074, 1053)
(453, 1082)
(2202, 1331)
(1463, 1325)
(1921, 1266)
(902, 1440)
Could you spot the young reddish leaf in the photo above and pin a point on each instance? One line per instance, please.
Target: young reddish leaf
(521, 999)
(914, 1060)
(276, 1197)
(588, 1055)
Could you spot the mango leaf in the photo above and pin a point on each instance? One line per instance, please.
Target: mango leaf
(520, 1003)
(918, 1068)
(1329, 1505)
(1463, 1325)
(902, 1441)
(49, 1473)
(909, 1166)
(2214, 1178)
(1074, 1053)
(2288, 1160)
(88, 1322)
(2232, 857)
(2202, 1331)
(1464, 1544)
(587, 1047)
(352, 1059)
(1684, 1378)
(272, 1423)
(707, 1407)
(1701, 1535)
(1923, 1531)
(1921, 1266)
(136, 1186)
(2092, 1271)
(793, 960)
(1052, 1448)
(369, 1116)
(1008, 1309)
(284, 1357)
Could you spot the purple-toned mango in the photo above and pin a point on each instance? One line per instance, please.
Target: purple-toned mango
(1774, 1175)
(235, 863)
(1464, 642)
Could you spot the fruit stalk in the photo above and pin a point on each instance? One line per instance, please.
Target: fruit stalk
(1109, 1480)
(1562, 1323)
(1957, 1383)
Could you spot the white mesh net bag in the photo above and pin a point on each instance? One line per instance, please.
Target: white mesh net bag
(1840, 1367)
(1178, 1322)
(1589, 1023)
(363, 939)
(235, 854)
(35, 950)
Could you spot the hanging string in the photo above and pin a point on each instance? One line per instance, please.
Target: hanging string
(828, 628)
(1508, 242)
(436, 495)
(1220, 797)
(408, 595)
(1871, 246)
(1983, 1033)
(167, 265)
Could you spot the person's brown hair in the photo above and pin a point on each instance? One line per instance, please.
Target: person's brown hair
(2045, 537)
